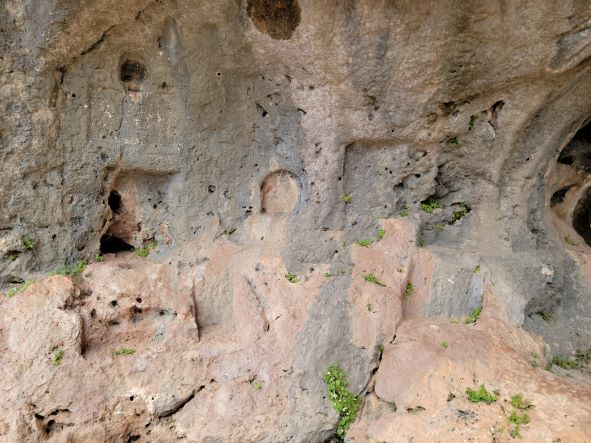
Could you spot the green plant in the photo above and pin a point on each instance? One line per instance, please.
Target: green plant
(404, 213)
(452, 141)
(381, 233)
(366, 242)
(515, 433)
(474, 316)
(291, 277)
(57, 357)
(415, 410)
(124, 351)
(20, 288)
(409, 290)
(258, 385)
(473, 119)
(439, 227)
(430, 204)
(453, 321)
(99, 259)
(480, 395)
(569, 240)
(546, 316)
(327, 274)
(564, 363)
(344, 402)
(145, 251)
(443, 344)
(347, 198)
(72, 270)
(29, 243)
(421, 241)
(373, 279)
(459, 213)
(476, 269)
(518, 402)
(518, 419)
(229, 231)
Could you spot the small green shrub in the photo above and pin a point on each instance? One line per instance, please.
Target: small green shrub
(409, 290)
(404, 213)
(258, 385)
(515, 433)
(473, 119)
(145, 251)
(229, 231)
(373, 279)
(29, 243)
(347, 198)
(519, 419)
(124, 351)
(452, 141)
(439, 227)
(20, 288)
(99, 259)
(381, 233)
(58, 355)
(291, 277)
(71, 271)
(344, 402)
(481, 395)
(518, 402)
(443, 344)
(474, 316)
(564, 363)
(366, 242)
(429, 205)
(327, 274)
(459, 213)
(569, 240)
(476, 269)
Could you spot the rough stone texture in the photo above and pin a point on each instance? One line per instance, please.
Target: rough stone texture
(230, 132)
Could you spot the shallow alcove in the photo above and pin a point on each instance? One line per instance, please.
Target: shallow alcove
(132, 73)
(110, 244)
(280, 192)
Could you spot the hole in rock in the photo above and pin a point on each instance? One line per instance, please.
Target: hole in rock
(111, 245)
(276, 18)
(132, 73)
(115, 202)
(582, 216)
(558, 196)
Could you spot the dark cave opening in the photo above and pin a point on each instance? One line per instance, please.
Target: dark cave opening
(114, 202)
(582, 216)
(109, 244)
(132, 73)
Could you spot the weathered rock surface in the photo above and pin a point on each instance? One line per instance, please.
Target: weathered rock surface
(252, 139)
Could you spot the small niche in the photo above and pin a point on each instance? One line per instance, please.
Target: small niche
(280, 192)
(112, 245)
(132, 73)
(115, 202)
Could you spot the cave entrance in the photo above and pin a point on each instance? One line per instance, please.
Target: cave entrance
(112, 245)
(570, 187)
(582, 216)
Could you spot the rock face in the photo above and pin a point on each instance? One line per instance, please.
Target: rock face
(402, 163)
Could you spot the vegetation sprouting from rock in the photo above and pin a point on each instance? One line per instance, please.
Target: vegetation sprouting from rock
(345, 403)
